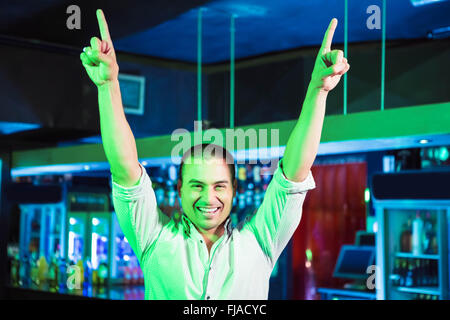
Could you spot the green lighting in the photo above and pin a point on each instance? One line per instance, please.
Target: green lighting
(367, 195)
(309, 254)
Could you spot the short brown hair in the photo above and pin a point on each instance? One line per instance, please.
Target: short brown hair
(215, 151)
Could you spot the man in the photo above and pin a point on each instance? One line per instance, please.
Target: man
(200, 255)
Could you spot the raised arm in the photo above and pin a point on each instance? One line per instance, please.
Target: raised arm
(119, 144)
(303, 143)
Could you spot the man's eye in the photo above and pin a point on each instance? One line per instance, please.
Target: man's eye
(196, 186)
(220, 187)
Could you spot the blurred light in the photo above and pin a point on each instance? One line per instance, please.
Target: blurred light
(375, 227)
(443, 154)
(71, 242)
(125, 239)
(424, 141)
(144, 163)
(439, 33)
(308, 264)
(104, 239)
(308, 254)
(86, 167)
(126, 257)
(367, 195)
(95, 221)
(72, 221)
(94, 257)
(418, 3)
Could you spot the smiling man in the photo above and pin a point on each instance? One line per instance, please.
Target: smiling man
(200, 255)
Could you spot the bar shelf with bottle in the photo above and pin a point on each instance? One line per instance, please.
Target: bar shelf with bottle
(412, 249)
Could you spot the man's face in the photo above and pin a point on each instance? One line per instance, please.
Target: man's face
(207, 192)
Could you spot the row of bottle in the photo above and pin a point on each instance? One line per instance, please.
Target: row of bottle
(422, 296)
(419, 235)
(415, 273)
(33, 272)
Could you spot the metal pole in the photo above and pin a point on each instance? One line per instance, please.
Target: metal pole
(199, 69)
(345, 53)
(383, 55)
(232, 80)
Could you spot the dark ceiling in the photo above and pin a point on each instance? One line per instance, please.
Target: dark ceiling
(168, 29)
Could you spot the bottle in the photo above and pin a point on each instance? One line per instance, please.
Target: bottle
(81, 268)
(15, 271)
(418, 277)
(427, 234)
(42, 271)
(404, 272)
(396, 273)
(53, 274)
(409, 281)
(405, 237)
(34, 269)
(417, 234)
(25, 271)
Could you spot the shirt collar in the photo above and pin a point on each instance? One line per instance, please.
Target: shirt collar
(188, 225)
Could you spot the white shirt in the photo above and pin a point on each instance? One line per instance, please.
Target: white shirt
(173, 255)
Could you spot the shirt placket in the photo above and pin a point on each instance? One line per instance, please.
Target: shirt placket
(208, 289)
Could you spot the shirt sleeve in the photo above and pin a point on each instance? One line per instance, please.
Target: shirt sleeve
(279, 215)
(138, 214)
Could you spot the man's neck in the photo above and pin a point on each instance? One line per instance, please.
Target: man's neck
(212, 235)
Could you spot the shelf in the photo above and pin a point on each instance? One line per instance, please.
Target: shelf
(416, 256)
(424, 290)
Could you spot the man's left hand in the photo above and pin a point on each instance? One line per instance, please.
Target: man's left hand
(330, 64)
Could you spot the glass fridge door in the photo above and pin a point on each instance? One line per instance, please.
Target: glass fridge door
(100, 242)
(77, 237)
(413, 253)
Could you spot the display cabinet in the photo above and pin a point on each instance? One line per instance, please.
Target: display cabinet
(412, 249)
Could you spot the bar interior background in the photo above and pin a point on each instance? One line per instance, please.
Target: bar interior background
(382, 165)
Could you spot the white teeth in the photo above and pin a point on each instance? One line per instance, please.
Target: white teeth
(208, 210)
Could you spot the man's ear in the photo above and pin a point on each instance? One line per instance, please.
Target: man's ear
(179, 187)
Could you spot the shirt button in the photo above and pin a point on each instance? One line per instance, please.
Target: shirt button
(208, 297)
(201, 241)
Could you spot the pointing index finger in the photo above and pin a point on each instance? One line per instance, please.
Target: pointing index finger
(104, 32)
(328, 38)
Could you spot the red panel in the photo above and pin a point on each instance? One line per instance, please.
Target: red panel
(332, 213)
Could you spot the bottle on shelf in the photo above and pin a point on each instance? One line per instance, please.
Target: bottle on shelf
(417, 234)
(405, 237)
(409, 281)
(395, 277)
(15, 270)
(53, 273)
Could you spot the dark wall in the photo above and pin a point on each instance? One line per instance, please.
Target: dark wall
(51, 88)
(45, 87)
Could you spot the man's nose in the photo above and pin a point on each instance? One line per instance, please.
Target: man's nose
(209, 195)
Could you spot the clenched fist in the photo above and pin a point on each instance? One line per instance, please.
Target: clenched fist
(99, 59)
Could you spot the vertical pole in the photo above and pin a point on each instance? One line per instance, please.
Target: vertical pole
(383, 55)
(199, 69)
(232, 81)
(345, 53)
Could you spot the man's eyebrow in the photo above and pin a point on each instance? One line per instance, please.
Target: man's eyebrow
(201, 182)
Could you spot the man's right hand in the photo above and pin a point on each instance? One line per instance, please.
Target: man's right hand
(99, 59)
